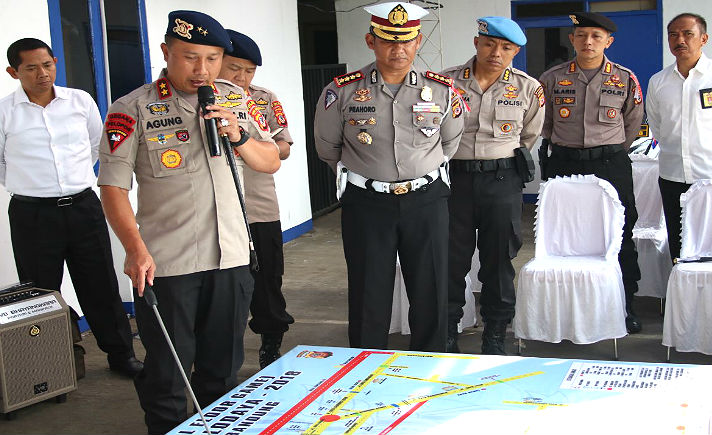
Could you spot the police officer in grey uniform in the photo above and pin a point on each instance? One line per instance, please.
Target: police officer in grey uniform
(386, 130)
(593, 114)
(270, 318)
(507, 114)
(192, 235)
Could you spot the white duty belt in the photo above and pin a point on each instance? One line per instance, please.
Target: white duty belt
(396, 188)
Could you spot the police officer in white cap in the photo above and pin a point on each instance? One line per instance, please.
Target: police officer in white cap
(505, 121)
(387, 130)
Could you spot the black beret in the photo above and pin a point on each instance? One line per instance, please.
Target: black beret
(244, 47)
(593, 19)
(197, 28)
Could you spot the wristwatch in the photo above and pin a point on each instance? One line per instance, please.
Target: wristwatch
(244, 135)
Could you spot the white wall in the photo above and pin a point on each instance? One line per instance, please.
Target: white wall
(671, 8)
(281, 72)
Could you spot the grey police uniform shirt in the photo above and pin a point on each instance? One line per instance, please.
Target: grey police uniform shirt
(260, 194)
(188, 211)
(410, 133)
(582, 114)
(509, 114)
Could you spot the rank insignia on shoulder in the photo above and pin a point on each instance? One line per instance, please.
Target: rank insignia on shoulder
(706, 98)
(347, 78)
(163, 87)
(439, 78)
(507, 75)
(157, 108)
(329, 98)
(539, 93)
(466, 73)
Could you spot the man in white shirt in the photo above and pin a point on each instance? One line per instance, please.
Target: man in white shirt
(49, 140)
(679, 107)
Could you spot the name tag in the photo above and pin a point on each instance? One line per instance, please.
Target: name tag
(706, 98)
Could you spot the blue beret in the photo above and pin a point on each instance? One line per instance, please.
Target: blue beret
(197, 28)
(244, 47)
(503, 28)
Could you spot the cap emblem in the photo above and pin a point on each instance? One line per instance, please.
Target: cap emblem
(183, 28)
(482, 26)
(398, 16)
(574, 19)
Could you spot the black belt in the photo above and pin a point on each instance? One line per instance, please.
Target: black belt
(59, 201)
(482, 165)
(595, 153)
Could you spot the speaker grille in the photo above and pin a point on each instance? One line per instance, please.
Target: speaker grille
(36, 360)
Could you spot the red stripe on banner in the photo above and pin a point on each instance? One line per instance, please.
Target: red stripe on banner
(400, 420)
(318, 391)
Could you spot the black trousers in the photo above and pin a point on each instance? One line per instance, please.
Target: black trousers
(670, 192)
(205, 314)
(376, 226)
(616, 168)
(44, 236)
(491, 202)
(268, 307)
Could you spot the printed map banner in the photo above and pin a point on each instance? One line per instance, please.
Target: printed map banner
(330, 390)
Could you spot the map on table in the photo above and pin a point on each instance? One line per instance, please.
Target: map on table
(331, 390)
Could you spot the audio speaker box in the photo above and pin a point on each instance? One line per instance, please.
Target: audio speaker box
(36, 355)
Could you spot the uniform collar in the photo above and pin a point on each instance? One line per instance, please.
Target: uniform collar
(374, 76)
(606, 67)
(20, 95)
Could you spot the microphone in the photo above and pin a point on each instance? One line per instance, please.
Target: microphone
(206, 97)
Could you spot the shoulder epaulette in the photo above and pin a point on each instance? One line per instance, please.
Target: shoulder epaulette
(163, 87)
(347, 78)
(440, 78)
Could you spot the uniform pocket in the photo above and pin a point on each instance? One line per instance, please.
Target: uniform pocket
(507, 121)
(168, 152)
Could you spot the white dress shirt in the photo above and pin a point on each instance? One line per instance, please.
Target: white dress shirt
(49, 151)
(680, 117)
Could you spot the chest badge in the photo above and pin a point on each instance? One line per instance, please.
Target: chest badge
(157, 108)
(362, 95)
(171, 159)
(611, 113)
(364, 138)
(510, 91)
(565, 82)
(706, 98)
(429, 131)
(161, 138)
(426, 94)
(419, 118)
(564, 112)
(506, 127)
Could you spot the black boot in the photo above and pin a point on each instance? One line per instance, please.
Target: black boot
(493, 337)
(451, 344)
(269, 351)
(632, 323)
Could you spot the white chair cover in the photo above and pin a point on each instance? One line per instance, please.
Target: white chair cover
(688, 309)
(649, 233)
(573, 287)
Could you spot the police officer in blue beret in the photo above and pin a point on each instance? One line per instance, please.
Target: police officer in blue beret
(192, 245)
(504, 123)
(270, 318)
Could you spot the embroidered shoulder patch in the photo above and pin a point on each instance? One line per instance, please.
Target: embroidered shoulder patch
(255, 113)
(440, 78)
(279, 113)
(638, 96)
(347, 78)
(118, 127)
(163, 87)
(539, 93)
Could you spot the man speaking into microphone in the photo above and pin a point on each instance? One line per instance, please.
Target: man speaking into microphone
(191, 242)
